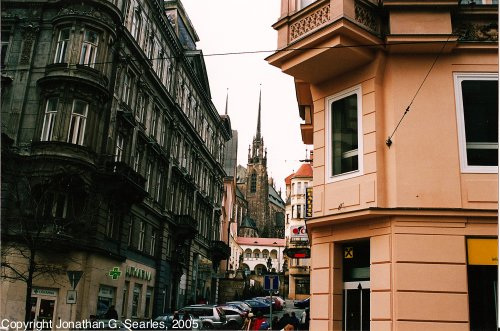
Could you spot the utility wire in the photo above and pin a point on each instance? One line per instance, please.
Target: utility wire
(388, 142)
(125, 59)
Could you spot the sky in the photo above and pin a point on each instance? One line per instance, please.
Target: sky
(225, 26)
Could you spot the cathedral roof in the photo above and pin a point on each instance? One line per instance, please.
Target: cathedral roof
(275, 198)
(248, 223)
(277, 242)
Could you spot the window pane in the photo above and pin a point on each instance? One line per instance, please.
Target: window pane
(480, 103)
(344, 135)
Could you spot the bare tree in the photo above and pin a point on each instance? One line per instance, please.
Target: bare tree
(43, 214)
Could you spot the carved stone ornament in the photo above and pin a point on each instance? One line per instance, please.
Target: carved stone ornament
(29, 35)
(310, 22)
(87, 11)
(477, 31)
(366, 16)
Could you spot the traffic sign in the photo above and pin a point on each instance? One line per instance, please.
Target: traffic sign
(271, 282)
(74, 278)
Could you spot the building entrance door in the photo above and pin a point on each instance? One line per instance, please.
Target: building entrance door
(356, 306)
(42, 311)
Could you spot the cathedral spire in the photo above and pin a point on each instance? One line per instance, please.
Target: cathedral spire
(227, 97)
(257, 135)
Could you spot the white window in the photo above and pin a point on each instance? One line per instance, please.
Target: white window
(344, 135)
(136, 24)
(141, 104)
(304, 3)
(148, 176)
(137, 160)
(89, 48)
(476, 97)
(153, 244)
(77, 124)
(119, 148)
(153, 122)
(62, 46)
(142, 232)
(158, 186)
(49, 120)
(127, 86)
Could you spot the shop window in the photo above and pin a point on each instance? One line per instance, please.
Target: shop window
(125, 299)
(89, 48)
(136, 300)
(482, 273)
(302, 285)
(344, 134)
(147, 303)
(477, 113)
(49, 119)
(105, 299)
(77, 124)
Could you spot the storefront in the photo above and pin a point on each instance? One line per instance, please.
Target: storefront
(138, 291)
(44, 305)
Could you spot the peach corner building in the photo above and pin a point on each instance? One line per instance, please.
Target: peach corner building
(403, 235)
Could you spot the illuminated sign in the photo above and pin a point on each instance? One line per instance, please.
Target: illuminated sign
(298, 253)
(309, 202)
(298, 232)
(138, 273)
(482, 251)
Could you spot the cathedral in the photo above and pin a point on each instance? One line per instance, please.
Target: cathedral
(266, 209)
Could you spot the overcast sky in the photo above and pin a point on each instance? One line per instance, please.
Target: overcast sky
(242, 25)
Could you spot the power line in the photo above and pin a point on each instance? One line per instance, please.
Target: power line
(388, 142)
(125, 59)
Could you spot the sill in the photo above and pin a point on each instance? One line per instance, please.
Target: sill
(341, 177)
(479, 169)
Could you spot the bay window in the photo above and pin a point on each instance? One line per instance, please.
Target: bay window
(476, 97)
(49, 120)
(79, 112)
(89, 48)
(345, 155)
(62, 46)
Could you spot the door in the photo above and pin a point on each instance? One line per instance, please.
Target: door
(42, 311)
(356, 306)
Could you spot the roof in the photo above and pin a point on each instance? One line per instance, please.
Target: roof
(288, 180)
(248, 223)
(275, 198)
(304, 171)
(276, 242)
(239, 194)
(230, 155)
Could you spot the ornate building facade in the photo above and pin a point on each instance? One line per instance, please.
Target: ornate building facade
(112, 160)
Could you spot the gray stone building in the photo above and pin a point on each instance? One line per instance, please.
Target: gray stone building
(111, 160)
(266, 208)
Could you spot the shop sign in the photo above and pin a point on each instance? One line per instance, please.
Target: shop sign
(298, 232)
(44, 291)
(309, 202)
(138, 273)
(482, 251)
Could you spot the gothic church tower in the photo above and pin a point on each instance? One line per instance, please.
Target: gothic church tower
(257, 186)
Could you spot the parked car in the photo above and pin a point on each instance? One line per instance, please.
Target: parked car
(241, 305)
(168, 319)
(281, 300)
(277, 304)
(268, 301)
(211, 316)
(258, 305)
(234, 317)
(301, 303)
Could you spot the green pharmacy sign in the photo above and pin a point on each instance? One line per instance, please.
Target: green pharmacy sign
(115, 273)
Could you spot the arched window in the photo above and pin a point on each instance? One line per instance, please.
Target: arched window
(253, 183)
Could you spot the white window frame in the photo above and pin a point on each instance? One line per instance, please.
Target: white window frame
(88, 52)
(142, 236)
(329, 178)
(80, 121)
(119, 147)
(62, 46)
(49, 120)
(462, 144)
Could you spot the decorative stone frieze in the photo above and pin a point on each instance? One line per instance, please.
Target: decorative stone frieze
(310, 22)
(468, 31)
(365, 15)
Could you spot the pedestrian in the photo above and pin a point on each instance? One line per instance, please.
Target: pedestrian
(284, 320)
(111, 313)
(276, 323)
(187, 321)
(288, 327)
(258, 321)
(294, 321)
(305, 319)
